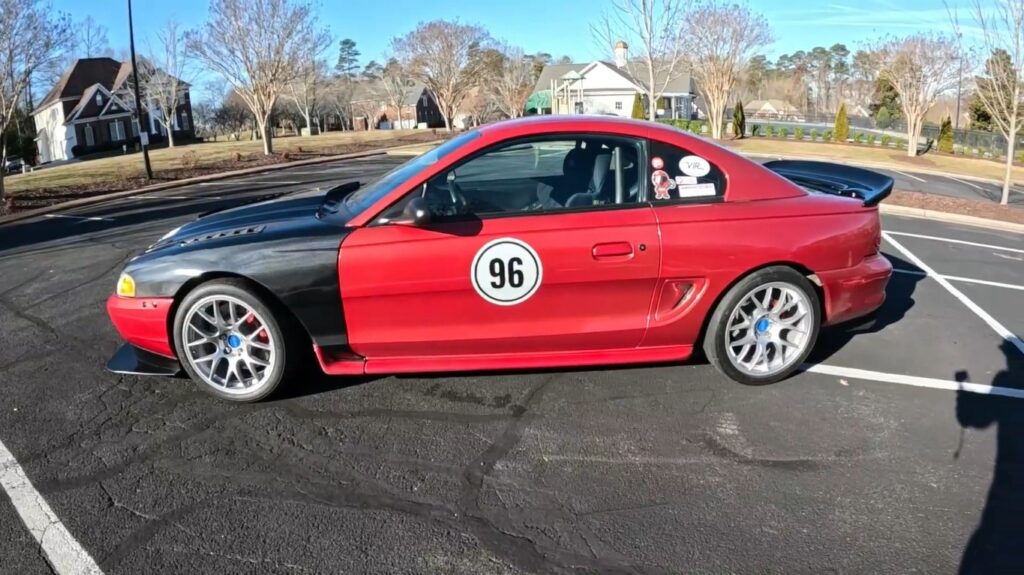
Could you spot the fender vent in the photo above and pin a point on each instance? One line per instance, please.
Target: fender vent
(224, 234)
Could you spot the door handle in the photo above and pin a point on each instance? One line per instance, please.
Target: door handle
(617, 250)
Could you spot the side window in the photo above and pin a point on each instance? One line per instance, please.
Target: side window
(676, 175)
(536, 175)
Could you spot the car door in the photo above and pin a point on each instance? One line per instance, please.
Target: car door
(538, 247)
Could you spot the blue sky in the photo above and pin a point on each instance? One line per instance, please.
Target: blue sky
(555, 26)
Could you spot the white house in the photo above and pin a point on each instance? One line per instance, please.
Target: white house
(607, 88)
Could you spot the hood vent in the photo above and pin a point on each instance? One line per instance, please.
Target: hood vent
(224, 234)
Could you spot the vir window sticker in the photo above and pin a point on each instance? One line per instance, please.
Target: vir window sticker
(685, 183)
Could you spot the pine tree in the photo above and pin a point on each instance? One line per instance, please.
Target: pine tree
(842, 127)
(638, 108)
(883, 120)
(946, 136)
(739, 121)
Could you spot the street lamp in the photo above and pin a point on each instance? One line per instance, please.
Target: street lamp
(143, 136)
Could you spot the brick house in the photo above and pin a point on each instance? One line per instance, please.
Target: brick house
(370, 103)
(90, 109)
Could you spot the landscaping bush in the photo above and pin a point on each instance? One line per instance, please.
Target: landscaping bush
(798, 133)
(769, 131)
(886, 138)
(842, 128)
(783, 132)
(696, 127)
(827, 135)
(755, 130)
(900, 143)
(638, 108)
(858, 138)
(814, 134)
(739, 121)
(883, 119)
(946, 136)
(871, 139)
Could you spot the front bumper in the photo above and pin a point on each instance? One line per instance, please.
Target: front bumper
(142, 322)
(855, 291)
(135, 361)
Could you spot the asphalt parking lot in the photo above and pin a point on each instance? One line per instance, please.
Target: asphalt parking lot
(870, 461)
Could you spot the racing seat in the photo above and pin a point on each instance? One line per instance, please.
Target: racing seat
(576, 168)
(598, 187)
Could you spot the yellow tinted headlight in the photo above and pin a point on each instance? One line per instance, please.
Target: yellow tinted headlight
(126, 286)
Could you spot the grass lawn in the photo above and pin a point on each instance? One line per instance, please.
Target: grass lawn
(124, 171)
(977, 167)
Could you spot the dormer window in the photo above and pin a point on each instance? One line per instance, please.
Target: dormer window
(99, 99)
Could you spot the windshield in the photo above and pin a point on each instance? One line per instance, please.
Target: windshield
(366, 197)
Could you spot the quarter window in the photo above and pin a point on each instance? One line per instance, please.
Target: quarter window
(677, 175)
(537, 175)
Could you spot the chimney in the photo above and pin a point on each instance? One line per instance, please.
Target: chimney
(620, 54)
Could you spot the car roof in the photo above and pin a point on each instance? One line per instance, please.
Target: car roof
(588, 120)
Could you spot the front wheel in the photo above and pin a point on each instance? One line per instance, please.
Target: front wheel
(765, 326)
(229, 340)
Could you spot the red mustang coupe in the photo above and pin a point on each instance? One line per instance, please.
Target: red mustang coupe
(543, 242)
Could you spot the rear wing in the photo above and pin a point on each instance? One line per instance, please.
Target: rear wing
(838, 179)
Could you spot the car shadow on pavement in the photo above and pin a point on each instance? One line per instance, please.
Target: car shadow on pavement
(997, 545)
(898, 301)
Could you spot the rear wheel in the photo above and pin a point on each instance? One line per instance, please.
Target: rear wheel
(765, 326)
(229, 340)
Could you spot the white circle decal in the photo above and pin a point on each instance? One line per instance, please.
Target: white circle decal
(694, 166)
(506, 271)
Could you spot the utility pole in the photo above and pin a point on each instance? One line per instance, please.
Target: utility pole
(959, 82)
(143, 135)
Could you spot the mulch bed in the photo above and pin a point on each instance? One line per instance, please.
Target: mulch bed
(976, 208)
(31, 199)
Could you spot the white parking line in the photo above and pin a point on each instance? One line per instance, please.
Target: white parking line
(913, 380)
(999, 328)
(64, 553)
(952, 241)
(966, 183)
(962, 279)
(909, 175)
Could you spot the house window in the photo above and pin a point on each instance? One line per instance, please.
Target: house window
(117, 131)
(90, 138)
(184, 120)
(99, 99)
(618, 105)
(135, 128)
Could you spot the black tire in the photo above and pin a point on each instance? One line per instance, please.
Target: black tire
(279, 325)
(715, 339)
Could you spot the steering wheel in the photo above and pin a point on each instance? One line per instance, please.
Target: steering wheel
(446, 202)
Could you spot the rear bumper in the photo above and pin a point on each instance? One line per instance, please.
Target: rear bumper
(142, 322)
(855, 291)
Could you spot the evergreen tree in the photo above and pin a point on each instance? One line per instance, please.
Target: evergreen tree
(638, 108)
(946, 136)
(980, 117)
(348, 58)
(842, 127)
(885, 96)
(883, 120)
(739, 121)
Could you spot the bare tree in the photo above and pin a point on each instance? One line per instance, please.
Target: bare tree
(720, 41)
(338, 97)
(312, 73)
(161, 78)
(397, 83)
(513, 82)
(920, 67)
(655, 28)
(440, 54)
(367, 101)
(31, 37)
(91, 39)
(1001, 89)
(255, 45)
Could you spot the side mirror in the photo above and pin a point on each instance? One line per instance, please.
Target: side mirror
(416, 213)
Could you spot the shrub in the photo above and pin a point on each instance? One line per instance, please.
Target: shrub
(696, 126)
(886, 138)
(638, 108)
(189, 160)
(814, 134)
(238, 156)
(842, 128)
(827, 135)
(946, 136)
(739, 121)
(883, 119)
(858, 138)
(783, 132)
(755, 130)
(798, 133)
(871, 139)
(769, 130)
(901, 143)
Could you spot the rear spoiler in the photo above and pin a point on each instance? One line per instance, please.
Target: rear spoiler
(838, 179)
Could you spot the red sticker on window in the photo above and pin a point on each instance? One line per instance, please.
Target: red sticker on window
(662, 184)
(657, 163)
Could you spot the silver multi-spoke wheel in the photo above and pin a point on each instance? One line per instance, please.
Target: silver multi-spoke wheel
(769, 329)
(228, 344)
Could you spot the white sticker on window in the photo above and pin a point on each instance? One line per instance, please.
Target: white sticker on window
(686, 180)
(506, 271)
(695, 166)
(697, 191)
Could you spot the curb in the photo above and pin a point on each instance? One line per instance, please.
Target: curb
(951, 218)
(88, 201)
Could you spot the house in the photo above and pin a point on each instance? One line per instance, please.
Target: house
(370, 101)
(602, 87)
(772, 110)
(91, 109)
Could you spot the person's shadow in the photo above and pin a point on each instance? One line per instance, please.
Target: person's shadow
(997, 545)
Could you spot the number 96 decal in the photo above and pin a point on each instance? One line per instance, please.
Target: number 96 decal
(506, 271)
